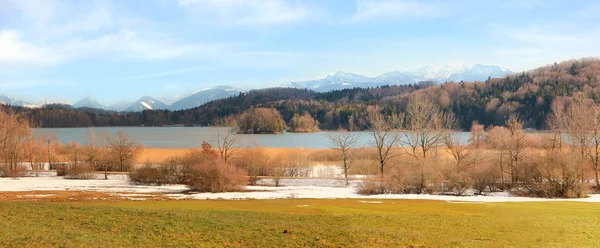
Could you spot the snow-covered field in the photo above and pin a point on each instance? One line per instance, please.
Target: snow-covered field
(118, 185)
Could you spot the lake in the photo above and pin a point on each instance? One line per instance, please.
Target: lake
(192, 137)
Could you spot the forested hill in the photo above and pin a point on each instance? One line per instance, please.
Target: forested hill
(527, 95)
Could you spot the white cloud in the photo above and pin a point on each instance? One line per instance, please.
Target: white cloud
(247, 12)
(401, 9)
(36, 12)
(179, 71)
(536, 45)
(68, 32)
(27, 84)
(129, 44)
(13, 49)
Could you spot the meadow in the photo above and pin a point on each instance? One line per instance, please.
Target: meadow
(309, 223)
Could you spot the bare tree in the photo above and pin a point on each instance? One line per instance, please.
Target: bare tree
(477, 135)
(499, 140)
(460, 152)
(582, 120)
(36, 153)
(15, 138)
(517, 146)
(227, 140)
(557, 122)
(51, 144)
(124, 149)
(428, 125)
(96, 152)
(383, 136)
(345, 143)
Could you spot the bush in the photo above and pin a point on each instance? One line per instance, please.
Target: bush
(12, 171)
(484, 177)
(151, 175)
(76, 171)
(255, 162)
(371, 187)
(458, 183)
(201, 170)
(215, 176)
(556, 174)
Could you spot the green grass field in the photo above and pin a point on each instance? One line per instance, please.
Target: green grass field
(321, 223)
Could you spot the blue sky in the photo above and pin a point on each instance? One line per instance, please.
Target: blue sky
(121, 50)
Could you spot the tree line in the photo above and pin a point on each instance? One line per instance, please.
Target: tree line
(490, 103)
(21, 152)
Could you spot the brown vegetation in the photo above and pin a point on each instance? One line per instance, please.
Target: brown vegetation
(345, 142)
(201, 170)
(15, 141)
(304, 123)
(260, 120)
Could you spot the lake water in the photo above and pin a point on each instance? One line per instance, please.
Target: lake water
(192, 137)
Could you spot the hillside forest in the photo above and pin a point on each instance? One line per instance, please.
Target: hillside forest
(528, 95)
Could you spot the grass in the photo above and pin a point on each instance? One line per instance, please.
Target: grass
(320, 223)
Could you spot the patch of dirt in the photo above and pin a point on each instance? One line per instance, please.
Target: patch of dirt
(74, 196)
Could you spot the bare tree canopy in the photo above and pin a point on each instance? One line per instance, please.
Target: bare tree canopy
(384, 138)
(227, 139)
(345, 143)
(15, 138)
(428, 125)
(124, 149)
(581, 122)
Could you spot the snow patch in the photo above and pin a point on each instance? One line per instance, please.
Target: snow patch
(119, 185)
(146, 105)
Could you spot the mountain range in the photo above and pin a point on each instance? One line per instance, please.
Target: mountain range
(339, 80)
(342, 80)
(14, 102)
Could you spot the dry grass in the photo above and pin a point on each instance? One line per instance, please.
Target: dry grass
(364, 162)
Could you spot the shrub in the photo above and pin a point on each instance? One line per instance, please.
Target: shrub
(556, 174)
(395, 181)
(255, 162)
(423, 177)
(77, 171)
(484, 176)
(201, 170)
(14, 171)
(458, 183)
(371, 187)
(215, 176)
(153, 175)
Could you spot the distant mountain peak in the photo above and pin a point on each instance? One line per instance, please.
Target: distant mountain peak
(147, 103)
(88, 102)
(341, 79)
(205, 95)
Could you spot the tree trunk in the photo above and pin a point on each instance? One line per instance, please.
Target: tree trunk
(502, 173)
(381, 164)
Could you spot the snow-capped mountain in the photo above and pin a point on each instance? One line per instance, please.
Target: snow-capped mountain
(145, 103)
(479, 72)
(14, 102)
(6, 100)
(119, 106)
(341, 80)
(88, 103)
(204, 96)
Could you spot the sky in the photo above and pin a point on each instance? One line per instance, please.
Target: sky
(64, 50)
